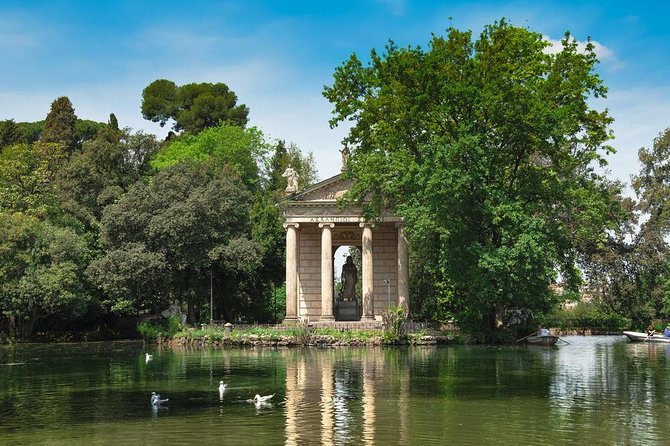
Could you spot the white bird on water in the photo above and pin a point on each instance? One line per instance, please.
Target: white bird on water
(156, 400)
(263, 399)
(148, 357)
(222, 387)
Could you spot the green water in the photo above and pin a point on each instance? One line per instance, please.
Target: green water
(595, 391)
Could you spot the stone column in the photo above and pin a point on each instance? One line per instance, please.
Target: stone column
(403, 269)
(327, 410)
(368, 402)
(326, 272)
(368, 274)
(291, 272)
(293, 400)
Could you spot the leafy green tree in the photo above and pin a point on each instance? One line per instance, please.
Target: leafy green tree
(193, 107)
(85, 130)
(41, 273)
(60, 125)
(242, 149)
(164, 238)
(487, 149)
(99, 175)
(652, 253)
(10, 133)
(31, 131)
(26, 175)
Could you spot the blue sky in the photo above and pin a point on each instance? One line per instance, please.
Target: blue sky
(278, 55)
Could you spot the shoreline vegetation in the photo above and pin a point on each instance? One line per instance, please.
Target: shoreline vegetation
(302, 335)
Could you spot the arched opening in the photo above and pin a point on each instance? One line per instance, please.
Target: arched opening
(347, 282)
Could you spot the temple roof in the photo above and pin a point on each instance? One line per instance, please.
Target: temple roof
(318, 203)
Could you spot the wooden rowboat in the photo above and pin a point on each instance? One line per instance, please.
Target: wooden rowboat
(547, 340)
(636, 336)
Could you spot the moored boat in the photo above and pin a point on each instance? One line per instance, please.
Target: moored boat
(546, 340)
(636, 336)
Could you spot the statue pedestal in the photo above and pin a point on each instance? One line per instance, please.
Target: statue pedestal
(347, 311)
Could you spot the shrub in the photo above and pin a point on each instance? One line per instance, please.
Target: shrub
(157, 329)
(586, 316)
(394, 325)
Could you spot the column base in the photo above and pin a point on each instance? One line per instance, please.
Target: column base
(290, 320)
(327, 318)
(368, 319)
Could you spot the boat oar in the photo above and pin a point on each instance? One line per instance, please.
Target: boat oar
(561, 339)
(519, 340)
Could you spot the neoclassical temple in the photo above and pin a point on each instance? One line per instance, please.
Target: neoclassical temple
(315, 227)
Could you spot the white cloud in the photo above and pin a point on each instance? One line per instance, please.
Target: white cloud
(604, 53)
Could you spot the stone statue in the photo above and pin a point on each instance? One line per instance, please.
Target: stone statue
(345, 157)
(175, 310)
(291, 179)
(349, 279)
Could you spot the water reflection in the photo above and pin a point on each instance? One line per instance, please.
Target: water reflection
(600, 391)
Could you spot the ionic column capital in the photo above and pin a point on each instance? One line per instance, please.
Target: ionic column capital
(291, 224)
(366, 223)
(323, 225)
(399, 224)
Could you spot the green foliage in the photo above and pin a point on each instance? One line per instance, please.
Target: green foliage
(60, 124)
(10, 134)
(149, 330)
(239, 148)
(394, 325)
(587, 316)
(487, 149)
(98, 175)
(193, 107)
(41, 272)
(164, 238)
(164, 328)
(301, 334)
(26, 174)
(31, 131)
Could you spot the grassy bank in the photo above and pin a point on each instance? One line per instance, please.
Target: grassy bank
(298, 335)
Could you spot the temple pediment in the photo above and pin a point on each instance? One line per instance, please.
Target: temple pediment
(328, 190)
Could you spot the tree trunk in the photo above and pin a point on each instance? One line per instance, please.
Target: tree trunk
(190, 316)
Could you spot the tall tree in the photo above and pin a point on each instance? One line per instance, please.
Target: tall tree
(193, 107)
(652, 186)
(98, 175)
(60, 124)
(487, 148)
(9, 134)
(164, 238)
(41, 273)
(26, 177)
(242, 149)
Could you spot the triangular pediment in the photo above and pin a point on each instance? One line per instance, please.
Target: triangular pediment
(325, 191)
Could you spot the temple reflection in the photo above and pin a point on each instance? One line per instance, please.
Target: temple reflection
(341, 396)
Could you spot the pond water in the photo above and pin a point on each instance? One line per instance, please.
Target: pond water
(595, 391)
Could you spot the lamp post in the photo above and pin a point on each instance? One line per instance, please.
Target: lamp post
(211, 298)
(387, 281)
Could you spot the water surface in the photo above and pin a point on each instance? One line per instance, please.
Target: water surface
(595, 391)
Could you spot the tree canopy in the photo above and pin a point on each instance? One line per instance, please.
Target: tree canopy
(164, 238)
(193, 107)
(487, 148)
(60, 124)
